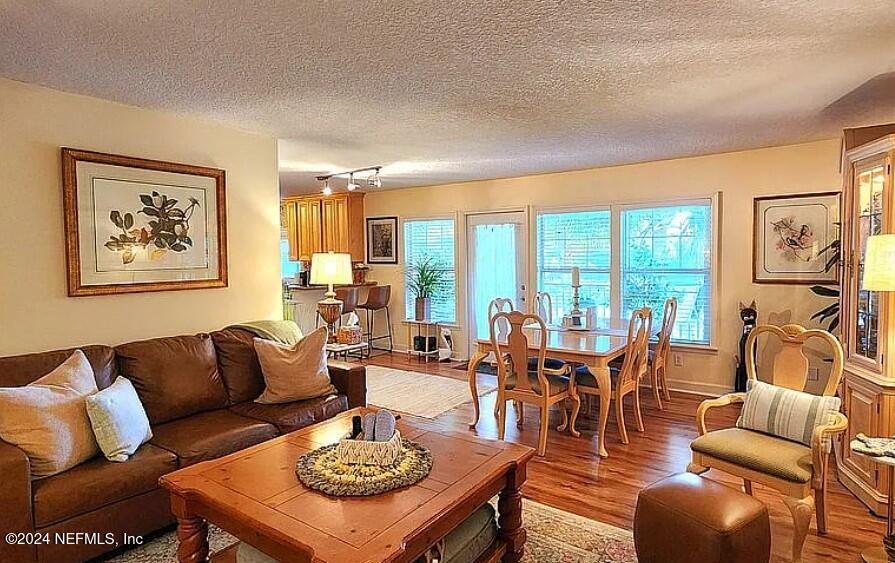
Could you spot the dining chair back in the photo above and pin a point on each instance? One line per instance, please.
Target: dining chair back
(543, 306)
(658, 358)
(516, 381)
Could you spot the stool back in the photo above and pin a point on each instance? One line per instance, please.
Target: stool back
(348, 297)
(378, 297)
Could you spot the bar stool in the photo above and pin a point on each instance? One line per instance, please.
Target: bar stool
(377, 299)
(348, 297)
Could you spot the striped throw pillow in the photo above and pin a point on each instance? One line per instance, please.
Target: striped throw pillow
(785, 413)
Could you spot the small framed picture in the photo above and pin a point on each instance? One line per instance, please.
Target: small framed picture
(792, 237)
(382, 240)
(135, 225)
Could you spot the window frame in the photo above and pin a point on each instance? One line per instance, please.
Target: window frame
(402, 254)
(615, 271)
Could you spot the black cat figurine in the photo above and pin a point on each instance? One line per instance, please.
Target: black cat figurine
(749, 315)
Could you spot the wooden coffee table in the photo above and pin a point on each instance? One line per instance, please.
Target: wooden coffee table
(255, 495)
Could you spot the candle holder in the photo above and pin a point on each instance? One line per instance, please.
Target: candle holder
(575, 319)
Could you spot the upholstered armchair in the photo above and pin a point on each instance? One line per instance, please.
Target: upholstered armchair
(797, 471)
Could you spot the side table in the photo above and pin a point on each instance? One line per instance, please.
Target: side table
(425, 330)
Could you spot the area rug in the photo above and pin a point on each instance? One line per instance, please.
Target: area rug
(421, 394)
(553, 536)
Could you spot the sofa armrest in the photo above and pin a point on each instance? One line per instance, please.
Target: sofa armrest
(351, 380)
(15, 498)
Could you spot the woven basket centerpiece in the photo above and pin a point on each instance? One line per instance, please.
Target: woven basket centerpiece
(359, 467)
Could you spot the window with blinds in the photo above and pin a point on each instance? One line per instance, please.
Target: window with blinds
(578, 238)
(666, 252)
(433, 238)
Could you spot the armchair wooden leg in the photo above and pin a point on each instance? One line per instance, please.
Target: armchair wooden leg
(542, 431)
(620, 418)
(747, 486)
(801, 510)
(695, 468)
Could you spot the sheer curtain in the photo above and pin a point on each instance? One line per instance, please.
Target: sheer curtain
(495, 269)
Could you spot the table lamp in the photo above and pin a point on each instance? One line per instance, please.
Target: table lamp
(327, 269)
(879, 264)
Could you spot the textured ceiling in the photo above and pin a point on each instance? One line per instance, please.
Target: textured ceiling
(444, 91)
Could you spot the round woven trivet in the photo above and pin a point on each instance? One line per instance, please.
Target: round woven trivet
(321, 470)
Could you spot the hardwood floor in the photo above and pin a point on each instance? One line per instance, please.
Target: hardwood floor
(574, 478)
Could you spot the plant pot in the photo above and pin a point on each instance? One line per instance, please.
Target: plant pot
(423, 308)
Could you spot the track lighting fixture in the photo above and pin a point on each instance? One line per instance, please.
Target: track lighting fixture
(373, 181)
(351, 185)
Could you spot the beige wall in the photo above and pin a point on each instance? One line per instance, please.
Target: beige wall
(35, 313)
(740, 176)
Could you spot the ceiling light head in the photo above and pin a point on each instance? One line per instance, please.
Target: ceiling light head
(375, 181)
(351, 185)
(326, 189)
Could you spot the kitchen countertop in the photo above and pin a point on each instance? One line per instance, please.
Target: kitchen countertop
(323, 287)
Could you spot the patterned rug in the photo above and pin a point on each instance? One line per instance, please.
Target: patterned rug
(421, 394)
(554, 536)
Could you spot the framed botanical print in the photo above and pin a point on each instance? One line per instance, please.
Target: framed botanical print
(382, 240)
(136, 225)
(791, 236)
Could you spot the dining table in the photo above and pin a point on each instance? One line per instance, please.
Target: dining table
(594, 348)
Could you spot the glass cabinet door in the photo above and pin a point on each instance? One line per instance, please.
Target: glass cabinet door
(869, 220)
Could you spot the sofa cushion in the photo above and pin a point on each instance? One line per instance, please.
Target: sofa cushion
(48, 420)
(175, 377)
(98, 483)
(239, 364)
(210, 435)
(292, 416)
(16, 371)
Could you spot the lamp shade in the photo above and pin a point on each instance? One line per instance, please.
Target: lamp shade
(879, 264)
(330, 268)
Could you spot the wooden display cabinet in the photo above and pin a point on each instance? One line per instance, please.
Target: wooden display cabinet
(868, 382)
(325, 223)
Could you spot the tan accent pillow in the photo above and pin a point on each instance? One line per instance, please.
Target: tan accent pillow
(294, 373)
(47, 419)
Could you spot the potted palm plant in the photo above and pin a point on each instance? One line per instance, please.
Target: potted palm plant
(425, 280)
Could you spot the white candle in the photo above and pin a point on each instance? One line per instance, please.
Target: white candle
(576, 274)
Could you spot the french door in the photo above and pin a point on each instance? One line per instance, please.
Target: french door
(497, 258)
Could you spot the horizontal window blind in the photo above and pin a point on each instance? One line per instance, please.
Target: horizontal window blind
(667, 252)
(578, 238)
(432, 238)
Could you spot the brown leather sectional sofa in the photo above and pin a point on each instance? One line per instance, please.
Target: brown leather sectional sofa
(198, 392)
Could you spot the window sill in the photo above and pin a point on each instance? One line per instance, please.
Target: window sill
(695, 348)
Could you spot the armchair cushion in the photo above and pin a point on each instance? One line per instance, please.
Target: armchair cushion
(770, 455)
(785, 413)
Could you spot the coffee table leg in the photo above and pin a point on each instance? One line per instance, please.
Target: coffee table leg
(192, 533)
(509, 519)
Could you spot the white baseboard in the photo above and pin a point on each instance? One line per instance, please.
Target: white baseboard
(699, 388)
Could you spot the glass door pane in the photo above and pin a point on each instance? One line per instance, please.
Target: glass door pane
(869, 200)
(498, 246)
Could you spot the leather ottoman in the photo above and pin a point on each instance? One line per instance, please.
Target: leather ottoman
(686, 519)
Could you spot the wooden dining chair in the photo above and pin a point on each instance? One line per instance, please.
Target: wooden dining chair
(625, 379)
(789, 467)
(658, 357)
(541, 386)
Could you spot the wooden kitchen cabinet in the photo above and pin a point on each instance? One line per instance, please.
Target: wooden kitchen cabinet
(868, 317)
(327, 223)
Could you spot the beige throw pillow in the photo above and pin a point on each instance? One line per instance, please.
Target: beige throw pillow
(294, 373)
(119, 420)
(47, 419)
